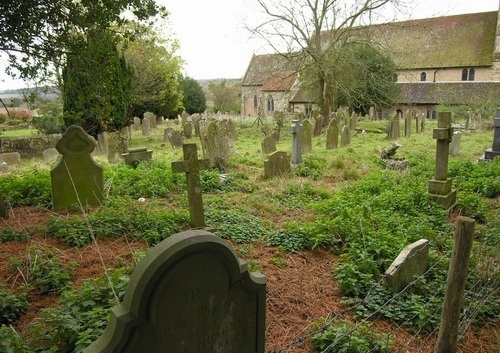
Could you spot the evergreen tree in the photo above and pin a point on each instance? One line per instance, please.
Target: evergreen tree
(194, 100)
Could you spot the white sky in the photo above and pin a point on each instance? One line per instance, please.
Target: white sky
(215, 44)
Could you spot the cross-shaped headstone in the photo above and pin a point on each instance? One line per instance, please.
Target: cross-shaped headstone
(191, 165)
(296, 130)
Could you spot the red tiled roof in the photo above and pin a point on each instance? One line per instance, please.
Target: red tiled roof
(280, 81)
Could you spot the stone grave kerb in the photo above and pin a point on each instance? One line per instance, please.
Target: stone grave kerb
(190, 293)
(440, 187)
(296, 131)
(77, 178)
(191, 165)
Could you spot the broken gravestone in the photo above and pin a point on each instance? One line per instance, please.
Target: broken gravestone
(190, 293)
(77, 179)
(276, 164)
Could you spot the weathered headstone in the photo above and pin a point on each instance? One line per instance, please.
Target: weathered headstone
(440, 187)
(188, 130)
(408, 124)
(279, 118)
(268, 145)
(145, 127)
(117, 144)
(4, 167)
(215, 143)
(102, 144)
(4, 213)
(10, 158)
(151, 117)
(195, 119)
(50, 155)
(136, 155)
(332, 135)
(266, 130)
(184, 117)
(318, 126)
(176, 139)
(276, 164)
(166, 134)
(393, 132)
(190, 293)
(77, 179)
(306, 138)
(455, 143)
(296, 131)
(417, 123)
(137, 123)
(276, 135)
(371, 113)
(494, 151)
(422, 123)
(159, 120)
(345, 138)
(411, 262)
(233, 133)
(191, 165)
(353, 122)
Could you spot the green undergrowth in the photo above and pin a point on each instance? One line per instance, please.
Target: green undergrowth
(12, 306)
(11, 234)
(236, 225)
(31, 188)
(136, 222)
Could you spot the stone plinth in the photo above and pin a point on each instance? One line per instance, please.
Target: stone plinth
(136, 155)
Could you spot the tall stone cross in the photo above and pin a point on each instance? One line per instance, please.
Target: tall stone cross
(440, 187)
(191, 165)
(296, 130)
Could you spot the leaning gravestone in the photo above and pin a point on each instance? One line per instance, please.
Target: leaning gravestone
(4, 214)
(306, 138)
(176, 139)
(268, 145)
(494, 151)
(77, 179)
(318, 125)
(345, 138)
(167, 133)
(332, 135)
(412, 261)
(276, 164)
(190, 293)
(10, 158)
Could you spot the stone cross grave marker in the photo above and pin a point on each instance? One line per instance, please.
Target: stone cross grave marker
(191, 165)
(494, 151)
(306, 138)
(268, 145)
(296, 131)
(276, 164)
(4, 214)
(412, 261)
(332, 135)
(345, 138)
(190, 293)
(77, 179)
(146, 124)
(440, 187)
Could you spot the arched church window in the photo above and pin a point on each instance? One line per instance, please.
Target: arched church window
(255, 101)
(465, 74)
(472, 74)
(423, 76)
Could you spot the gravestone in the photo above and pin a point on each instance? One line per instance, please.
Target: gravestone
(50, 155)
(184, 117)
(4, 213)
(233, 133)
(195, 119)
(190, 293)
(332, 135)
(116, 145)
(192, 166)
(188, 130)
(494, 151)
(345, 138)
(268, 145)
(440, 187)
(102, 144)
(4, 167)
(266, 130)
(279, 118)
(145, 126)
(422, 123)
(151, 117)
(296, 130)
(215, 143)
(276, 164)
(77, 179)
(394, 133)
(318, 126)
(136, 155)
(353, 122)
(371, 113)
(10, 158)
(411, 262)
(306, 138)
(159, 120)
(417, 123)
(137, 123)
(176, 139)
(455, 143)
(408, 124)
(276, 135)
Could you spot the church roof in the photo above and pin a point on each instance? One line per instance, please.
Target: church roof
(279, 81)
(451, 41)
(466, 92)
(261, 67)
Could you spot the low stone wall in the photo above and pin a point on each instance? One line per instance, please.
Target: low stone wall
(28, 147)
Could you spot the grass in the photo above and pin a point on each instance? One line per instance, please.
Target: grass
(19, 133)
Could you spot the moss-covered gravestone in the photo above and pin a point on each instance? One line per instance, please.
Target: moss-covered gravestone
(189, 294)
(276, 164)
(77, 179)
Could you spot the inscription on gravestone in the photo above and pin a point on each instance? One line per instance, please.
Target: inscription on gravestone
(192, 166)
(189, 294)
(77, 179)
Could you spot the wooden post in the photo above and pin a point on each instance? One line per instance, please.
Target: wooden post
(455, 286)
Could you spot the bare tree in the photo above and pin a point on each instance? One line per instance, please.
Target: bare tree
(318, 32)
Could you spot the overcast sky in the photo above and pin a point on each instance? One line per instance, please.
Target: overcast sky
(215, 44)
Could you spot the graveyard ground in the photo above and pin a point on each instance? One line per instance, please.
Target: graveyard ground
(307, 254)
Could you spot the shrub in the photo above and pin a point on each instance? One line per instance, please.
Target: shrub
(32, 188)
(11, 234)
(238, 226)
(11, 342)
(11, 306)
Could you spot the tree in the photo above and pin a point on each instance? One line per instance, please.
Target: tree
(369, 77)
(316, 34)
(38, 34)
(96, 90)
(194, 99)
(225, 98)
(157, 71)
